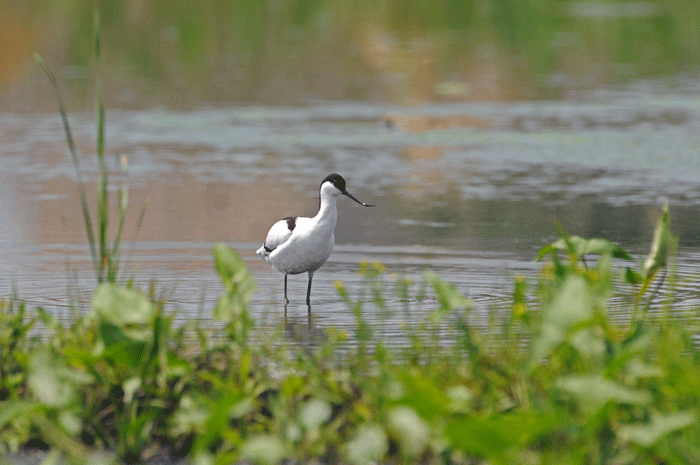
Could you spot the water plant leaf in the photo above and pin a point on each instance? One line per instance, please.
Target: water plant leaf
(238, 282)
(263, 449)
(11, 409)
(52, 383)
(422, 394)
(70, 421)
(369, 445)
(492, 437)
(572, 305)
(520, 298)
(229, 265)
(409, 430)
(460, 398)
(588, 343)
(120, 347)
(579, 247)
(130, 386)
(637, 369)
(660, 246)
(229, 306)
(648, 434)
(594, 391)
(632, 277)
(315, 413)
(448, 296)
(125, 308)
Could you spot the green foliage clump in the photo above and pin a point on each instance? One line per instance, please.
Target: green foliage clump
(555, 380)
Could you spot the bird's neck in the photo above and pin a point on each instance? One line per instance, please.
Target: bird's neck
(327, 213)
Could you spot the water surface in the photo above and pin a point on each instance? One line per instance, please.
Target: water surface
(468, 190)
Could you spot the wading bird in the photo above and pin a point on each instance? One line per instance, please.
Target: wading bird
(298, 244)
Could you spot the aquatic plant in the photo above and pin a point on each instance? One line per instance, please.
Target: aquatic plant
(557, 379)
(105, 255)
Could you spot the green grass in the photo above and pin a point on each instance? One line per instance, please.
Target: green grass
(554, 380)
(105, 253)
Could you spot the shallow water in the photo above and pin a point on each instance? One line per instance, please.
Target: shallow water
(467, 190)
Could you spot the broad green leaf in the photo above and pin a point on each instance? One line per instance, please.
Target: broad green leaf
(125, 308)
(492, 437)
(660, 246)
(579, 247)
(588, 343)
(460, 399)
(70, 421)
(229, 265)
(409, 430)
(238, 282)
(242, 408)
(190, 416)
(593, 392)
(647, 434)
(423, 395)
(574, 244)
(229, 306)
(637, 369)
(632, 277)
(315, 413)
(369, 445)
(120, 347)
(571, 306)
(448, 296)
(263, 449)
(11, 409)
(605, 247)
(48, 382)
(130, 386)
(546, 250)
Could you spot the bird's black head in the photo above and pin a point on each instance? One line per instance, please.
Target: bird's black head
(337, 180)
(339, 183)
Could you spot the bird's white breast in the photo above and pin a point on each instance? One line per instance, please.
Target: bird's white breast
(307, 248)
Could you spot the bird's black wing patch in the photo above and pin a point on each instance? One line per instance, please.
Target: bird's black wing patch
(291, 222)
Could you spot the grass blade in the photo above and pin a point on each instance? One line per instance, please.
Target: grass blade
(103, 195)
(74, 157)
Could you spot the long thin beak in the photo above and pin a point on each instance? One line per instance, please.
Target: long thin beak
(361, 203)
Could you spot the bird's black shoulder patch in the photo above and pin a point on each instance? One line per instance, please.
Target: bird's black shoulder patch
(267, 249)
(291, 222)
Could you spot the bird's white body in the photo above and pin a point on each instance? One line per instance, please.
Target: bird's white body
(307, 247)
(302, 245)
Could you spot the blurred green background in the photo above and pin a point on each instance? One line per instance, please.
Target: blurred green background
(184, 53)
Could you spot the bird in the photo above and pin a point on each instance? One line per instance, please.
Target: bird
(298, 244)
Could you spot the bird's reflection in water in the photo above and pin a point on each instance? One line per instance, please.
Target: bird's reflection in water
(301, 331)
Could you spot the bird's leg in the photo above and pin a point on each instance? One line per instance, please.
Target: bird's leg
(286, 300)
(308, 290)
